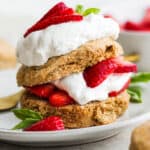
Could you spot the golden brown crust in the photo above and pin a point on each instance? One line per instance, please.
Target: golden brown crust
(7, 55)
(77, 116)
(76, 61)
(140, 139)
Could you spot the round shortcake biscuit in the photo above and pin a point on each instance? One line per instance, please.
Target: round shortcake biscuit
(77, 116)
(76, 61)
(140, 139)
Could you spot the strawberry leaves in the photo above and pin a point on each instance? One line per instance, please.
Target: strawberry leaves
(25, 123)
(27, 116)
(141, 77)
(80, 10)
(135, 93)
(134, 89)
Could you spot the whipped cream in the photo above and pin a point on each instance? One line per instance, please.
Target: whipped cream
(76, 87)
(55, 40)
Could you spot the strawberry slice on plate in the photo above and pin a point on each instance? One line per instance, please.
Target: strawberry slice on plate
(43, 91)
(115, 93)
(60, 98)
(52, 123)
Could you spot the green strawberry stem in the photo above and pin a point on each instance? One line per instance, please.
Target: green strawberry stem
(80, 10)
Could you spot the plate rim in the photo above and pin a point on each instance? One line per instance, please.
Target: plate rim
(114, 125)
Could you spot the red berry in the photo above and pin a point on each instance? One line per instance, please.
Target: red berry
(58, 10)
(96, 74)
(52, 21)
(125, 66)
(43, 91)
(60, 98)
(49, 124)
(115, 93)
(132, 26)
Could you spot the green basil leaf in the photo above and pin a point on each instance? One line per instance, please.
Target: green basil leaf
(136, 89)
(135, 96)
(25, 123)
(141, 77)
(90, 11)
(26, 113)
(79, 9)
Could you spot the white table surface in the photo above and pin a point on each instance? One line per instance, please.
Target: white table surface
(118, 142)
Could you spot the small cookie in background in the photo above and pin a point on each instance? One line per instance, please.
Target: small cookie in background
(7, 55)
(140, 139)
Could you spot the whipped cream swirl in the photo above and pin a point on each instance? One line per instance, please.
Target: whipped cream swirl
(76, 87)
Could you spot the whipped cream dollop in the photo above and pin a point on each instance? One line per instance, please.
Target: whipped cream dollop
(76, 87)
(56, 40)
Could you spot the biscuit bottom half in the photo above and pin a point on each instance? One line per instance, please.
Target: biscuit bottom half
(76, 116)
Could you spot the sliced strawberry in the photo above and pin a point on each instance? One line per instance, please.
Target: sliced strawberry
(43, 91)
(49, 124)
(55, 10)
(62, 10)
(96, 74)
(124, 66)
(115, 93)
(52, 21)
(60, 98)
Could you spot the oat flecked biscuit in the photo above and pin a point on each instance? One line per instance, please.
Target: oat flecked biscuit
(77, 116)
(7, 55)
(140, 139)
(56, 68)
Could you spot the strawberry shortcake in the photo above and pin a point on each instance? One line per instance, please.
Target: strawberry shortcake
(73, 68)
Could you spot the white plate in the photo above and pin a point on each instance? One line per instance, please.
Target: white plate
(136, 113)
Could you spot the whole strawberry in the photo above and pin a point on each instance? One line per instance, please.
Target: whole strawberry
(52, 123)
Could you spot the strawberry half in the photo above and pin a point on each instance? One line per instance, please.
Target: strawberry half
(52, 123)
(96, 74)
(43, 91)
(60, 98)
(55, 10)
(124, 66)
(53, 21)
(60, 13)
(115, 93)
